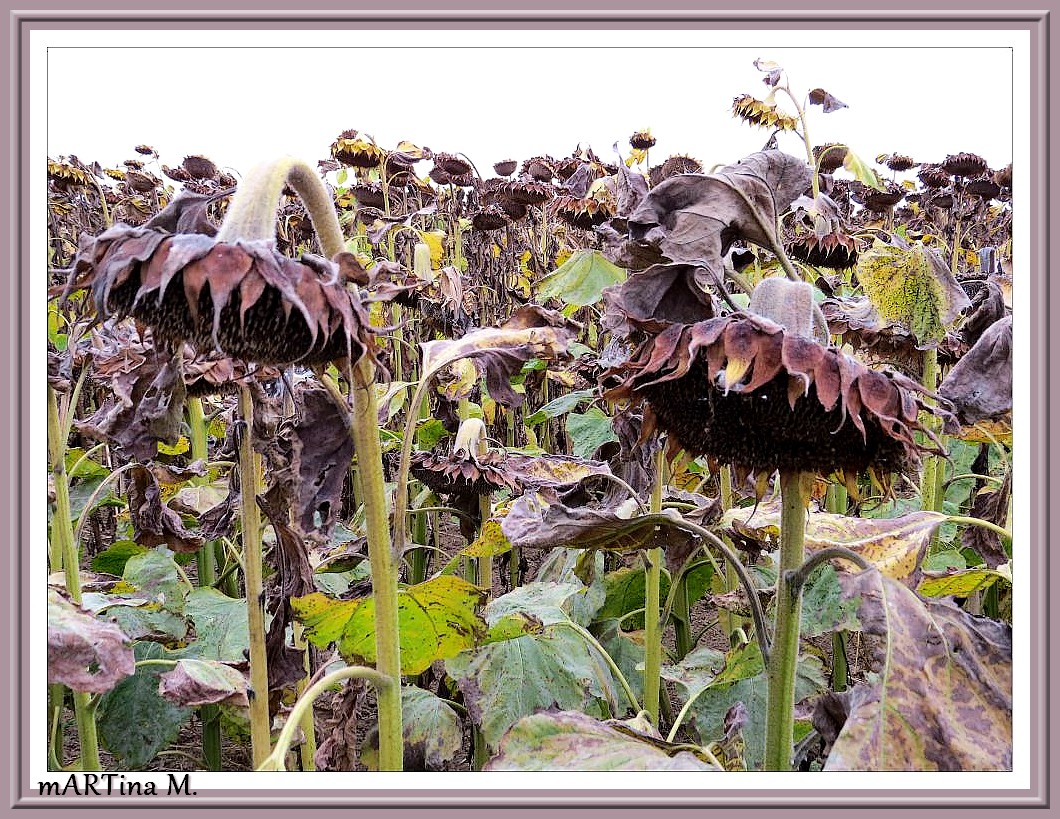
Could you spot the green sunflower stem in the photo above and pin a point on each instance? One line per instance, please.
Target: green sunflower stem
(260, 724)
(652, 605)
(63, 553)
(782, 665)
(383, 560)
(207, 575)
(929, 500)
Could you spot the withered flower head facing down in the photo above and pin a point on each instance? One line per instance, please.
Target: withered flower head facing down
(674, 166)
(540, 168)
(835, 250)
(1004, 176)
(199, 167)
(932, 176)
(984, 187)
(583, 213)
(491, 217)
(527, 192)
(762, 114)
(506, 167)
(830, 156)
(451, 164)
(239, 298)
(642, 140)
(745, 391)
(896, 162)
(877, 200)
(964, 164)
(145, 150)
(351, 150)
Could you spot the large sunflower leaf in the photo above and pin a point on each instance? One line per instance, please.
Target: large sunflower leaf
(436, 620)
(719, 681)
(692, 218)
(506, 680)
(942, 697)
(570, 741)
(84, 652)
(581, 279)
(895, 545)
(911, 286)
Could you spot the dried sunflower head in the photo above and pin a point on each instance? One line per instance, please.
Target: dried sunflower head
(762, 114)
(506, 167)
(527, 192)
(583, 213)
(451, 164)
(964, 164)
(539, 168)
(199, 167)
(1004, 176)
(674, 166)
(932, 176)
(744, 391)
(896, 162)
(242, 299)
(830, 156)
(879, 200)
(835, 250)
(642, 140)
(490, 217)
(984, 187)
(349, 149)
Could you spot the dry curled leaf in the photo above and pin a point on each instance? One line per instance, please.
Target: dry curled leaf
(85, 653)
(154, 522)
(693, 219)
(980, 384)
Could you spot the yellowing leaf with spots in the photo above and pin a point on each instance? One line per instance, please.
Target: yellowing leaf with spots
(436, 620)
(962, 583)
(490, 543)
(894, 546)
(911, 286)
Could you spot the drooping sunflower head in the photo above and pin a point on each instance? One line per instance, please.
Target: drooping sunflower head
(745, 391)
(242, 298)
(762, 114)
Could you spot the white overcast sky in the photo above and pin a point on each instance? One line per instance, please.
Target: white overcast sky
(498, 95)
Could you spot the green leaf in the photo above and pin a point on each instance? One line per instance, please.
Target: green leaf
(719, 688)
(861, 170)
(624, 593)
(436, 619)
(113, 559)
(135, 723)
(155, 575)
(571, 741)
(581, 279)
(825, 608)
(429, 433)
(589, 431)
(220, 625)
(431, 727)
(81, 492)
(559, 406)
(504, 681)
(88, 469)
(911, 286)
(962, 583)
(490, 542)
